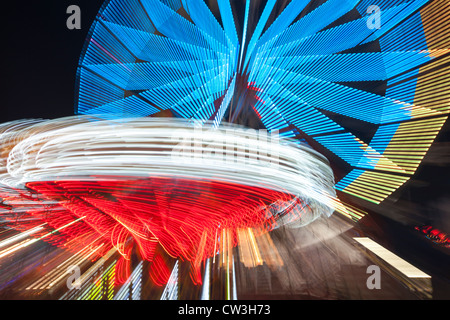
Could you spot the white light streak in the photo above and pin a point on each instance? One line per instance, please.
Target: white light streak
(398, 263)
(78, 148)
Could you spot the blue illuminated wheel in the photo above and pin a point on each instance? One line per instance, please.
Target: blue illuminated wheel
(371, 99)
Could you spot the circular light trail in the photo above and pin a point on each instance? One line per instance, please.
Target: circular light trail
(138, 183)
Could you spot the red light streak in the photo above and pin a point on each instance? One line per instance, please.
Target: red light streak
(182, 215)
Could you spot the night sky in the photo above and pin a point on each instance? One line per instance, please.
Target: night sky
(41, 56)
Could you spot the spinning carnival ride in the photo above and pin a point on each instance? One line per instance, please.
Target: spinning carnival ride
(153, 74)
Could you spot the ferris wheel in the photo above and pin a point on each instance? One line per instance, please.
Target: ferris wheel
(360, 81)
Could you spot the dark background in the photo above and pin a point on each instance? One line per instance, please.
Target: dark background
(40, 57)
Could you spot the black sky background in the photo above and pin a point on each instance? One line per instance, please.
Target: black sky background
(40, 57)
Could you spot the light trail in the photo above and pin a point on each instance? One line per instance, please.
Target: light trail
(29, 242)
